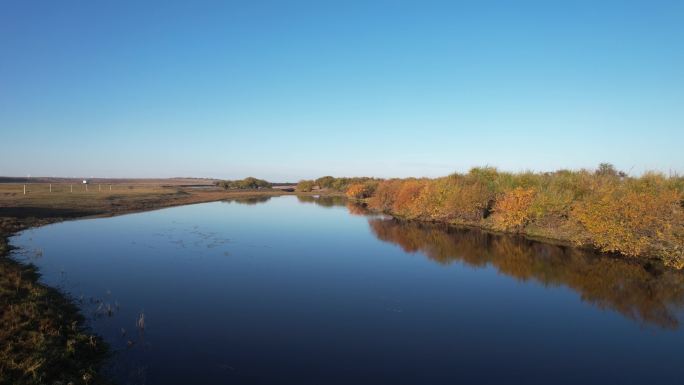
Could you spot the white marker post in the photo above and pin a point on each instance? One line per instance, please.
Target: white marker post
(24, 189)
(50, 187)
(71, 186)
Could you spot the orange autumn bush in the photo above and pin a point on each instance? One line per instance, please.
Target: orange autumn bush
(361, 190)
(385, 194)
(512, 210)
(432, 198)
(407, 202)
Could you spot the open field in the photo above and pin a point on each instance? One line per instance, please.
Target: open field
(43, 201)
(43, 339)
(116, 181)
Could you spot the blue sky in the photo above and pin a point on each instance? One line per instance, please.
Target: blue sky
(287, 89)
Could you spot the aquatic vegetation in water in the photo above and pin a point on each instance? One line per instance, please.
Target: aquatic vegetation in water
(140, 323)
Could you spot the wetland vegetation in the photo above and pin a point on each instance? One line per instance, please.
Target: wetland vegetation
(249, 183)
(638, 217)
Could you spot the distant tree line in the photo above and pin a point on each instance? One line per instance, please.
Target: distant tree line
(249, 183)
(330, 183)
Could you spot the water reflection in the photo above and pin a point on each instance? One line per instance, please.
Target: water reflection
(323, 200)
(646, 293)
(252, 200)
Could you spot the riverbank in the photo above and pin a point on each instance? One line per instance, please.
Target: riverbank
(44, 339)
(637, 217)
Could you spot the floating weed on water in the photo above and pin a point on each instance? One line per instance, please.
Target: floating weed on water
(141, 321)
(102, 308)
(37, 253)
(179, 243)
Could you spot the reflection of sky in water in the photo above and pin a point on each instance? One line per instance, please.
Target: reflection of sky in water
(296, 288)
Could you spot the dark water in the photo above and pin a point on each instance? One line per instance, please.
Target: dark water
(309, 291)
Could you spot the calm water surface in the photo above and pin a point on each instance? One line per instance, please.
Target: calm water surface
(310, 291)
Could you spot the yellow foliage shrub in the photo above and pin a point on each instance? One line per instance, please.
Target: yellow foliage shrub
(432, 198)
(467, 202)
(384, 196)
(512, 210)
(634, 220)
(360, 190)
(406, 202)
(305, 185)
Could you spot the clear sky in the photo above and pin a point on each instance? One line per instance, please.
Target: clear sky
(286, 89)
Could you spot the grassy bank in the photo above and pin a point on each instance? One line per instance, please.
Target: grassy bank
(640, 217)
(43, 339)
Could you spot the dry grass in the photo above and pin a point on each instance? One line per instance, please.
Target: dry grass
(42, 339)
(39, 202)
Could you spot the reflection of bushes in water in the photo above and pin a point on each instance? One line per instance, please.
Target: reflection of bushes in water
(645, 293)
(249, 200)
(356, 208)
(323, 200)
